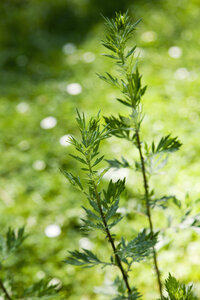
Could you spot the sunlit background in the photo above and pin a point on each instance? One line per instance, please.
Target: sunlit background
(50, 52)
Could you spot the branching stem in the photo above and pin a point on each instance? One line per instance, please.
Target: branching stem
(146, 188)
(4, 290)
(111, 240)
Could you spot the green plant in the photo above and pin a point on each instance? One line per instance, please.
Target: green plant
(177, 291)
(10, 289)
(104, 202)
(102, 214)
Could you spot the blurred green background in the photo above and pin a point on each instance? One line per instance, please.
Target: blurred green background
(50, 53)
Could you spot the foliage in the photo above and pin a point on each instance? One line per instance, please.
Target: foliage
(103, 207)
(128, 127)
(177, 291)
(39, 290)
(33, 39)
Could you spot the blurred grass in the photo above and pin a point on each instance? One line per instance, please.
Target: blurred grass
(35, 71)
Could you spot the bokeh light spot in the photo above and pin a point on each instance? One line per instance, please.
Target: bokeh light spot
(52, 231)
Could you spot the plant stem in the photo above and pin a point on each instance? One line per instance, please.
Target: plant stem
(111, 240)
(125, 277)
(4, 290)
(146, 188)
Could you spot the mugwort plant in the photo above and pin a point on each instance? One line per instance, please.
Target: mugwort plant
(101, 213)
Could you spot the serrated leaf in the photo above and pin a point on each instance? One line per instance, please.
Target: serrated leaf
(166, 144)
(78, 158)
(98, 160)
(130, 52)
(111, 56)
(85, 258)
(73, 179)
(139, 248)
(112, 210)
(42, 289)
(94, 205)
(88, 224)
(115, 163)
(114, 190)
(90, 214)
(115, 222)
(14, 239)
(163, 201)
(177, 291)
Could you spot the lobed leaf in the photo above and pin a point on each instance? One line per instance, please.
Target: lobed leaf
(139, 248)
(115, 163)
(166, 144)
(177, 291)
(86, 258)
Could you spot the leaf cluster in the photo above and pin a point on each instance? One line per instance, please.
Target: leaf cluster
(119, 30)
(177, 290)
(120, 127)
(166, 144)
(11, 242)
(85, 258)
(137, 249)
(102, 212)
(91, 136)
(39, 290)
(42, 290)
(104, 202)
(117, 164)
(109, 199)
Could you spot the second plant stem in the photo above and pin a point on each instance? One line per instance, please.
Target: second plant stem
(148, 210)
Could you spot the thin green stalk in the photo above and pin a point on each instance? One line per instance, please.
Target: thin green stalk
(148, 210)
(145, 180)
(111, 240)
(4, 290)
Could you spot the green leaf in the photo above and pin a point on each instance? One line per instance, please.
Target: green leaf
(119, 127)
(74, 180)
(78, 159)
(166, 144)
(126, 103)
(109, 79)
(98, 160)
(109, 46)
(114, 190)
(130, 52)
(164, 201)
(88, 225)
(42, 289)
(177, 291)
(111, 56)
(115, 222)
(14, 239)
(115, 163)
(86, 258)
(90, 214)
(93, 204)
(139, 248)
(112, 210)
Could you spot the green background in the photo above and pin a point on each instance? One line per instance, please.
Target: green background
(35, 70)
